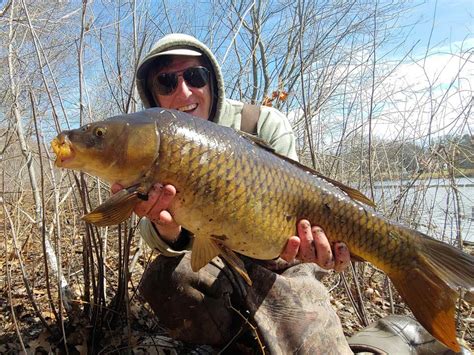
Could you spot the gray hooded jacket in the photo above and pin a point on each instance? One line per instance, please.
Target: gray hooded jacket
(273, 127)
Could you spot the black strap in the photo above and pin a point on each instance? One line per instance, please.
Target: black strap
(249, 118)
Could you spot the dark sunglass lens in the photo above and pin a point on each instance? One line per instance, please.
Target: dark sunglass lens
(166, 83)
(197, 77)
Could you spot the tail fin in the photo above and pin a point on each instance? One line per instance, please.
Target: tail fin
(431, 289)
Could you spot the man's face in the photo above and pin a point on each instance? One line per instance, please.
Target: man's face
(192, 100)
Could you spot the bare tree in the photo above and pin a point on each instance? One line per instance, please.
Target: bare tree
(334, 67)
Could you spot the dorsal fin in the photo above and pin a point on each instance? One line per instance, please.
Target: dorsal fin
(353, 193)
(258, 141)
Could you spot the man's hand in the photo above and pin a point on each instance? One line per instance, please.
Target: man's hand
(155, 209)
(312, 245)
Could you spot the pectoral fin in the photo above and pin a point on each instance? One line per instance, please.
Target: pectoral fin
(204, 250)
(236, 263)
(207, 248)
(116, 209)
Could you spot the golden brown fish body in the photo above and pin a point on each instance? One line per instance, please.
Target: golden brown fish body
(235, 194)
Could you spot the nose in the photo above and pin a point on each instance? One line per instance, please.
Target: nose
(182, 88)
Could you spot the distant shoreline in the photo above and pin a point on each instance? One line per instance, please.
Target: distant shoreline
(459, 174)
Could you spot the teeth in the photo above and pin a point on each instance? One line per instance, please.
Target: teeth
(187, 108)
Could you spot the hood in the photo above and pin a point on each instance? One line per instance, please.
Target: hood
(182, 42)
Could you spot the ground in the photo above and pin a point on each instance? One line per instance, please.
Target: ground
(142, 333)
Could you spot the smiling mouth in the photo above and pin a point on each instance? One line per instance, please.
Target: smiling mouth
(188, 108)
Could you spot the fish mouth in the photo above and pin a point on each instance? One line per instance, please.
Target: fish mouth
(64, 151)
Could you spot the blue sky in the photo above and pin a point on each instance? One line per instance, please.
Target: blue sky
(453, 21)
(442, 83)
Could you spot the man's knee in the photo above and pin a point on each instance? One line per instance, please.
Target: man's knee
(193, 306)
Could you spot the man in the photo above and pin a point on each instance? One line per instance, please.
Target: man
(181, 73)
(286, 311)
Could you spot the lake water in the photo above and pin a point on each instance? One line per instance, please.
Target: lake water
(432, 205)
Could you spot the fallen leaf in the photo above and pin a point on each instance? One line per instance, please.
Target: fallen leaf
(41, 342)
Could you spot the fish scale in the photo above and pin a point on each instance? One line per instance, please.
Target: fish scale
(291, 189)
(236, 195)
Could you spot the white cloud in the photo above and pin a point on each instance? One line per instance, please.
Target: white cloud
(438, 88)
(422, 96)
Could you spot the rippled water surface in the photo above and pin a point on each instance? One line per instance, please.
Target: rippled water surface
(433, 205)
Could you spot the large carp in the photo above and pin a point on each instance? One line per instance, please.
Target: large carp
(235, 194)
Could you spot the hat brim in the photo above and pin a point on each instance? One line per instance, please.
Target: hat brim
(145, 66)
(179, 51)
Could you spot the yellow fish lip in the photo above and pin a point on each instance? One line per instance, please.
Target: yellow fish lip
(63, 149)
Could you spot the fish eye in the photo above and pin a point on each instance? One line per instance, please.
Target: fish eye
(100, 131)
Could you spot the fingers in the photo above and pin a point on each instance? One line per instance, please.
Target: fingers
(312, 245)
(159, 199)
(167, 226)
(164, 218)
(163, 195)
(307, 252)
(324, 256)
(291, 249)
(342, 256)
(155, 209)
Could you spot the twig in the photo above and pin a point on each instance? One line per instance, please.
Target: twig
(10, 298)
(59, 275)
(141, 278)
(5, 9)
(358, 305)
(23, 272)
(39, 216)
(246, 321)
(137, 255)
(390, 294)
(9, 281)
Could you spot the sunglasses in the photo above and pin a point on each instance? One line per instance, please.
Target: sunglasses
(166, 83)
